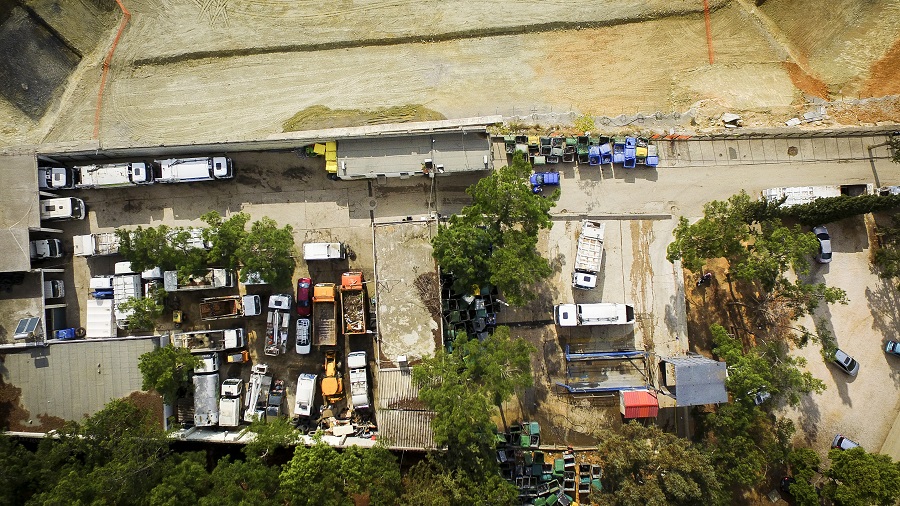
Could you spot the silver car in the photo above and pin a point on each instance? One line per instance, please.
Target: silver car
(842, 443)
(824, 255)
(846, 363)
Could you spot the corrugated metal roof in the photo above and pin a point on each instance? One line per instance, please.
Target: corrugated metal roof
(699, 380)
(639, 404)
(403, 421)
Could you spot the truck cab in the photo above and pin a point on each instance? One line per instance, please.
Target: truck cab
(45, 248)
(67, 208)
(55, 178)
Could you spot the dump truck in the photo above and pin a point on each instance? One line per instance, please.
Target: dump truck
(332, 380)
(212, 278)
(359, 381)
(114, 175)
(601, 313)
(797, 195)
(278, 324)
(230, 403)
(353, 303)
(325, 314)
(257, 393)
(104, 243)
(204, 341)
(232, 306)
(589, 256)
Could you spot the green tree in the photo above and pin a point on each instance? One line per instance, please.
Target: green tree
(894, 143)
(432, 482)
(644, 465)
(147, 248)
(270, 436)
(268, 251)
(226, 237)
(167, 370)
(887, 256)
(145, 311)
(312, 477)
(831, 209)
(247, 482)
(184, 482)
(494, 239)
(859, 478)
(804, 464)
(19, 473)
(371, 474)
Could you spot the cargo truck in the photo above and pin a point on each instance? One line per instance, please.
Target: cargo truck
(45, 248)
(353, 303)
(589, 256)
(306, 395)
(186, 170)
(359, 382)
(257, 392)
(278, 324)
(104, 243)
(602, 313)
(325, 312)
(55, 178)
(232, 306)
(204, 341)
(57, 209)
(212, 278)
(230, 403)
(113, 175)
(796, 195)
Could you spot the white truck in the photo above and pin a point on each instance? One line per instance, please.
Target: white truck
(230, 403)
(278, 324)
(65, 208)
(55, 178)
(104, 243)
(324, 251)
(113, 175)
(186, 170)
(796, 195)
(359, 381)
(589, 256)
(306, 395)
(206, 399)
(257, 393)
(45, 248)
(212, 278)
(54, 289)
(601, 313)
(204, 341)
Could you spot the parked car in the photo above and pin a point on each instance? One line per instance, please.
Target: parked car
(760, 396)
(303, 306)
(824, 255)
(893, 347)
(303, 340)
(842, 443)
(847, 363)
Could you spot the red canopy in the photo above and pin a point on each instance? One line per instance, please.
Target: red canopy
(639, 404)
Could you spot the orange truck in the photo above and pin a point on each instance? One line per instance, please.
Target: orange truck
(325, 315)
(353, 303)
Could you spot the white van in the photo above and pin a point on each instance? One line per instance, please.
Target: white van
(185, 170)
(324, 251)
(306, 395)
(112, 175)
(67, 208)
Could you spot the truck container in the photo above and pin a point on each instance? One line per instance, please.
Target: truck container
(231, 306)
(230, 403)
(278, 324)
(359, 381)
(113, 175)
(100, 320)
(324, 251)
(353, 303)
(306, 395)
(41, 249)
(325, 312)
(201, 341)
(601, 313)
(206, 399)
(212, 278)
(54, 289)
(257, 393)
(186, 170)
(125, 286)
(67, 208)
(796, 195)
(55, 178)
(104, 243)
(589, 255)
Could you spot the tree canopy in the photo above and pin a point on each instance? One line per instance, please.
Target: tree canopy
(268, 252)
(494, 239)
(167, 370)
(859, 478)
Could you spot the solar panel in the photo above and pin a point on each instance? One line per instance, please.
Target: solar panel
(26, 328)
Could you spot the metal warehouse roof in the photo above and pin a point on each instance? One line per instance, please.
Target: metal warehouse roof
(398, 156)
(403, 421)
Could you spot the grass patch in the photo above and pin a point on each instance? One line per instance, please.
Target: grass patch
(318, 116)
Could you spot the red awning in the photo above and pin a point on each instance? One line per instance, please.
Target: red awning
(639, 404)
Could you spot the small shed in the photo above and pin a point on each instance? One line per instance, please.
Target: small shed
(638, 404)
(694, 380)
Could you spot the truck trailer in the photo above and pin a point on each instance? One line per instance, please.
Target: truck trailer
(206, 399)
(325, 314)
(104, 243)
(186, 170)
(125, 286)
(602, 313)
(353, 303)
(589, 256)
(114, 175)
(212, 278)
(796, 195)
(231, 306)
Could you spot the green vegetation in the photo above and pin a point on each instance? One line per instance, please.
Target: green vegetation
(144, 310)
(831, 209)
(268, 251)
(858, 478)
(887, 255)
(494, 240)
(319, 116)
(584, 124)
(167, 370)
(894, 143)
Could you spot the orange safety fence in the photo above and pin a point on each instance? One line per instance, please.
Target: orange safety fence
(126, 16)
(709, 45)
